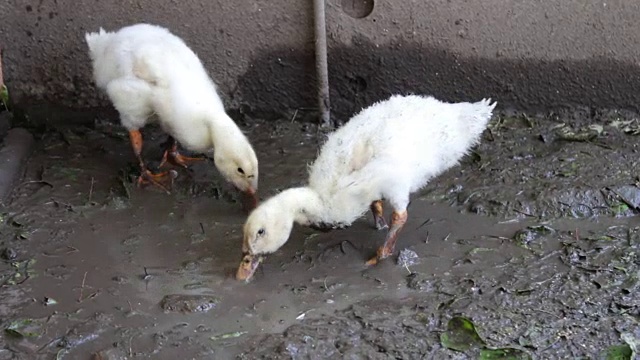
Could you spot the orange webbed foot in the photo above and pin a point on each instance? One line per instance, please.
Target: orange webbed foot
(381, 254)
(173, 157)
(163, 181)
(176, 159)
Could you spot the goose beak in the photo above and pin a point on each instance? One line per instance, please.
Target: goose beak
(248, 267)
(249, 199)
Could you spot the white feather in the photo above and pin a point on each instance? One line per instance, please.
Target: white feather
(145, 70)
(391, 149)
(388, 150)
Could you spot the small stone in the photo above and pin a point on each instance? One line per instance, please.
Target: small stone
(188, 303)
(420, 283)
(110, 354)
(526, 237)
(120, 279)
(9, 254)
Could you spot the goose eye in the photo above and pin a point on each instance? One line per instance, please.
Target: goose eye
(260, 232)
(240, 171)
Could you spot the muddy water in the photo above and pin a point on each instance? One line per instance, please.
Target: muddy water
(90, 260)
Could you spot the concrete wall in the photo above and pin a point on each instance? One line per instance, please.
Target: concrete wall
(524, 53)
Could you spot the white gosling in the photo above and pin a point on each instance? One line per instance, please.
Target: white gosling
(145, 71)
(387, 151)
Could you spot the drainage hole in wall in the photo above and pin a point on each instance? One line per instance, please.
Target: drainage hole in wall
(357, 9)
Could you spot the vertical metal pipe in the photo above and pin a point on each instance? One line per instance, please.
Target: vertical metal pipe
(322, 71)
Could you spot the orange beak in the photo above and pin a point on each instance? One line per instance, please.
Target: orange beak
(248, 267)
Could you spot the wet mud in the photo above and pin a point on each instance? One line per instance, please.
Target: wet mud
(535, 239)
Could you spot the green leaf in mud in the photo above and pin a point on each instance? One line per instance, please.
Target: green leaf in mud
(503, 354)
(23, 271)
(422, 318)
(4, 96)
(24, 264)
(23, 328)
(478, 250)
(619, 208)
(601, 238)
(618, 352)
(527, 236)
(461, 335)
(564, 132)
(633, 342)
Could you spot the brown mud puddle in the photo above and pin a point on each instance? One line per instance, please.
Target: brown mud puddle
(91, 264)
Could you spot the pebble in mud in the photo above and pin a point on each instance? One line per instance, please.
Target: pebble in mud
(9, 254)
(527, 236)
(188, 303)
(420, 283)
(120, 279)
(109, 354)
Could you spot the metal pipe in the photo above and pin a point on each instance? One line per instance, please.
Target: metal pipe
(322, 71)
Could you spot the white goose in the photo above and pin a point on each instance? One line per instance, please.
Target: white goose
(146, 70)
(387, 151)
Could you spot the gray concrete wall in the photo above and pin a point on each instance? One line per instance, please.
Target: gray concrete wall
(524, 53)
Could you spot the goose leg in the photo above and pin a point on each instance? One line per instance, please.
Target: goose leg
(173, 157)
(398, 219)
(146, 176)
(378, 215)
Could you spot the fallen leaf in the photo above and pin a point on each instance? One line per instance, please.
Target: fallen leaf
(461, 335)
(23, 328)
(618, 352)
